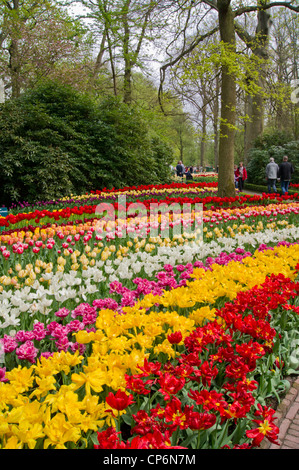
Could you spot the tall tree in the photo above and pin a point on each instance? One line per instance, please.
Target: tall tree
(228, 102)
(196, 79)
(125, 26)
(227, 17)
(254, 102)
(36, 37)
(284, 53)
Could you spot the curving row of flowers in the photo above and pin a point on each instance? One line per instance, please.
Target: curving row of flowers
(179, 194)
(149, 341)
(204, 398)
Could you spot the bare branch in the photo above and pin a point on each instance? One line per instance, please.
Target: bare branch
(178, 58)
(212, 4)
(248, 9)
(243, 34)
(142, 35)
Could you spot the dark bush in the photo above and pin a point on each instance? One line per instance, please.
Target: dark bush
(55, 141)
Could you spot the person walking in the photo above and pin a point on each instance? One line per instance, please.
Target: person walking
(236, 176)
(179, 169)
(183, 168)
(271, 175)
(285, 171)
(242, 176)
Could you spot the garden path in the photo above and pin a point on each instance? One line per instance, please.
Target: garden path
(287, 419)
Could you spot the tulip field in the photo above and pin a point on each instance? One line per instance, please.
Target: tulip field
(120, 330)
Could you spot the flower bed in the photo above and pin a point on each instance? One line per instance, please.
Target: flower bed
(148, 341)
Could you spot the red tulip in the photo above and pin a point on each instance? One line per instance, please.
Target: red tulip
(175, 338)
(120, 400)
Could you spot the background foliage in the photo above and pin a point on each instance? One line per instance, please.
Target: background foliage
(276, 145)
(56, 141)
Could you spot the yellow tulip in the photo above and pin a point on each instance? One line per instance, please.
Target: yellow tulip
(12, 443)
(83, 337)
(59, 432)
(94, 380)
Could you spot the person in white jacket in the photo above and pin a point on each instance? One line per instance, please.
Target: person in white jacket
(271, 174)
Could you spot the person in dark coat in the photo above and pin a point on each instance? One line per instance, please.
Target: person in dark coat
(284, 173)
(179, 169)
(188, 174)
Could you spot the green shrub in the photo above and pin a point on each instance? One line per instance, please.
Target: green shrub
(55, 141)
(264, 188)
(131, 156)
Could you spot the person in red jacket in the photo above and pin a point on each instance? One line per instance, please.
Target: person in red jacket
(236, 176)
(242, 175)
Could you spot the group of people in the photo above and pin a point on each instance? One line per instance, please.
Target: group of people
(240, 174)
(282, 172)
(182, 171)
(274, 172)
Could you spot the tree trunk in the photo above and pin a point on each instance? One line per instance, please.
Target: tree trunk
(181, 145)
(127, 58)
(254, 127)
(114, 81)
(127, 84)
(226, 186)
(203, 138)
(215, 125)
(203, 123)
(296, 121)
(99, 62)
(14, 65)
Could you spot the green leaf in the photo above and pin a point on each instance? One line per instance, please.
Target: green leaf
(294, 362)
(94, 438)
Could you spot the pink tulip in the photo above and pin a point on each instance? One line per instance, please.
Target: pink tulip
(9, 343)
(2, 375)
(62, 312)
(27, 351)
